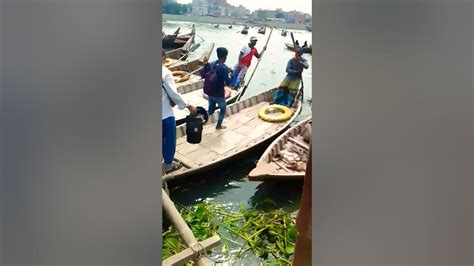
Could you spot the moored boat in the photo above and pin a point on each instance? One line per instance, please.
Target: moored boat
(286, 157)
(175, 41)
(180, 52)
(245, 131)
(190, 66)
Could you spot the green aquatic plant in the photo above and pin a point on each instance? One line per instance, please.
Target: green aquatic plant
(270, 233)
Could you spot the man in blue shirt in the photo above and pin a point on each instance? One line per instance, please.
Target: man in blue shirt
(216, 77)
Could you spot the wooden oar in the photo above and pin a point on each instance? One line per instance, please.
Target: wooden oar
(246, 85)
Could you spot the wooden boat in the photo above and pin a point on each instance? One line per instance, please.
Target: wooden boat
(286, 157)
(262, 30)
(180, 65)
(230, 26)
(307, 50)
(245, 131)
(179, 52)
(186, 37)
(216, 26)
(284, 33)
(175, 41)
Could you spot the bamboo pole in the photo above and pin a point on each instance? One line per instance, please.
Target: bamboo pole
(183, 229)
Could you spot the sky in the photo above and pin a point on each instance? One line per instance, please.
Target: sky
(285, 5)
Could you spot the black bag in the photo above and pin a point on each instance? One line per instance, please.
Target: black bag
(193, 129)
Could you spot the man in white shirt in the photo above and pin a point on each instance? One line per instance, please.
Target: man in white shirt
(170, 95)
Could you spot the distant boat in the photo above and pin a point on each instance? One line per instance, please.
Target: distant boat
(216, 26)
(245, 30)
(284, 33)
(230, 26)
(308, 49)
(308, 27)
(262, 30)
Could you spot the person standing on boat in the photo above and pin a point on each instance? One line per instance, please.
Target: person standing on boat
(169, 98)
(245, 59)
(305, 44)
(286, 93)
(216, 77)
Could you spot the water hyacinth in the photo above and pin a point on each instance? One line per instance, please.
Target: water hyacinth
(269, 233)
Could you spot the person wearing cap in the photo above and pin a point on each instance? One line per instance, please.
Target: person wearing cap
(245, 59)
(169, 98)
(288, 88)
(216, 77)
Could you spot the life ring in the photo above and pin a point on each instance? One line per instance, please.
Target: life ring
(178, 76)
(168, 62)
(285, 113)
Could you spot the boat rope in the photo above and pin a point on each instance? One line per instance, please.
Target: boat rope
(198, 249)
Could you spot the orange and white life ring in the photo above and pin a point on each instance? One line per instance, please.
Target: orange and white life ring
(180, 76)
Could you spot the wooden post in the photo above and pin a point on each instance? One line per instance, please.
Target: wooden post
(302, 256)
(183, 229)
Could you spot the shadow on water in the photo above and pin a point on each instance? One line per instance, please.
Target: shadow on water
(218, 183)
(285, 196)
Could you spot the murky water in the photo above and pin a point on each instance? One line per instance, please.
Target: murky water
(228, 185)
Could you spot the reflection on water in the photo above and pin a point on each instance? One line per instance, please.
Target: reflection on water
(228, 185)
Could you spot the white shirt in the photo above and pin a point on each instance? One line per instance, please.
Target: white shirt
(168, 83)
(245, 50)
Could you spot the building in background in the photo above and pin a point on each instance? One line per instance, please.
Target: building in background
(200, 7)
(220, 8)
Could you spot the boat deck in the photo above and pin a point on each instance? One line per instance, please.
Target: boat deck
(244, 129)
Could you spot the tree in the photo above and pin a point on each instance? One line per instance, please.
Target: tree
(176, 9)
(280, 15)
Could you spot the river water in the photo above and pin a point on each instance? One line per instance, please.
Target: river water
(228, 185)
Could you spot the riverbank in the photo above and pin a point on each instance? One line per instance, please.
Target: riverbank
(234, 21)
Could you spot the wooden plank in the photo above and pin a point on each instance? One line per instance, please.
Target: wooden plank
(184, 160)
(188, 254)
(299, 143)
(186, 148)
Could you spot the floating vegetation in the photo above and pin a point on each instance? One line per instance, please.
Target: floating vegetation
(269, 233)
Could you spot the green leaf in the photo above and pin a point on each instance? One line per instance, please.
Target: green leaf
(290, 249)
(292, 233)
